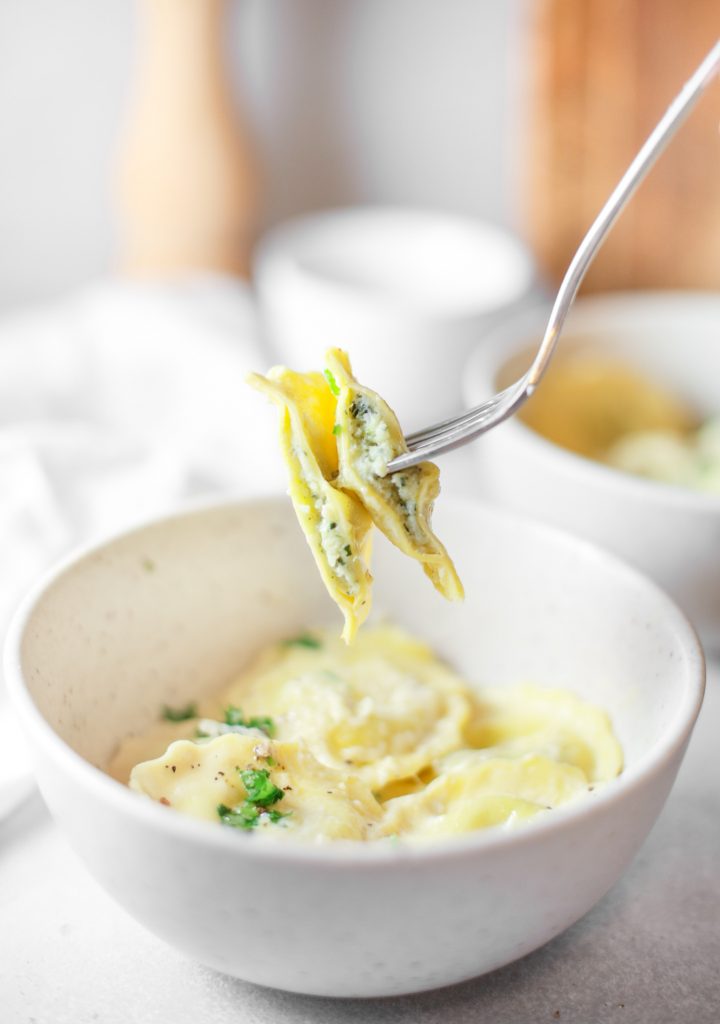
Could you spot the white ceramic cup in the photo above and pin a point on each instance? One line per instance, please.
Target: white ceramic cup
(408, 292)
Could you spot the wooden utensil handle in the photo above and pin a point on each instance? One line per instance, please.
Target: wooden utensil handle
(188, 177)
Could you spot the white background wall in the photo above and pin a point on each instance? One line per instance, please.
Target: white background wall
(412, 101)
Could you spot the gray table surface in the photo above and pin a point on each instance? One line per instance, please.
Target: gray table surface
(648, 952)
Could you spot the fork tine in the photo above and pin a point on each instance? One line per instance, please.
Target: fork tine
(468, 421)
(459, 427)
(456, 432)
(437, 429)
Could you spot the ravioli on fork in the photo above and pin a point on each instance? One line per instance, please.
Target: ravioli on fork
(337, 438)
(400, 504)
(336, 525)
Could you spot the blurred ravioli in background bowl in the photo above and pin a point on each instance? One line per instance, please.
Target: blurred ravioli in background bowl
(169, 613)
(621, 442)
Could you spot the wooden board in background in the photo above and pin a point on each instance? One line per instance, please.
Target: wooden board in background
(602, 72)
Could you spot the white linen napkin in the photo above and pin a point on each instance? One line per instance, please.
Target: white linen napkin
(115, 405)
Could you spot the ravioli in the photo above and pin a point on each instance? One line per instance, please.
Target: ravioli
(337, 439)
(375, 741)
(335, 524)
(527, 719)
(315, 800)
(473, 790)
(400, 504)
(383, 708)
(588, 403)
(691, 460)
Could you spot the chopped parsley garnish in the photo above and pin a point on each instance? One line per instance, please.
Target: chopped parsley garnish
(337, 429)
(260, 788)
(348, 550)
(261, 794)
(179, 714)
(304, 639)
(248, 816)
(276, 816)
(332, 383)
(234, 716)
(244, 816)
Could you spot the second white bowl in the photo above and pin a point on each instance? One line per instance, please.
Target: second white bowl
(671, 533)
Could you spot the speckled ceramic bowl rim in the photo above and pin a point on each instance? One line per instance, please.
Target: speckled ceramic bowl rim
(344, 854)
(513, 337)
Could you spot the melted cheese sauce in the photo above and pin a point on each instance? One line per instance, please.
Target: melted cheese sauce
(377, 741)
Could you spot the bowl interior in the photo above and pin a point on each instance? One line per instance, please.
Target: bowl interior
(173, 610)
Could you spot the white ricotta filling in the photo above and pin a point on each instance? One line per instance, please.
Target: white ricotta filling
(371, 435)
(335, 543)
(337, 548)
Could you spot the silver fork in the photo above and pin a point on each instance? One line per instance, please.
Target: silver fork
(457, 431)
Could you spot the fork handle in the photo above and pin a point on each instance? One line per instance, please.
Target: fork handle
(662, 133)
(452, 433)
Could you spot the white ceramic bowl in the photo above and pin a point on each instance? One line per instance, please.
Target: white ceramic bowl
(104, 642)
(408, 292)
(669, 532)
